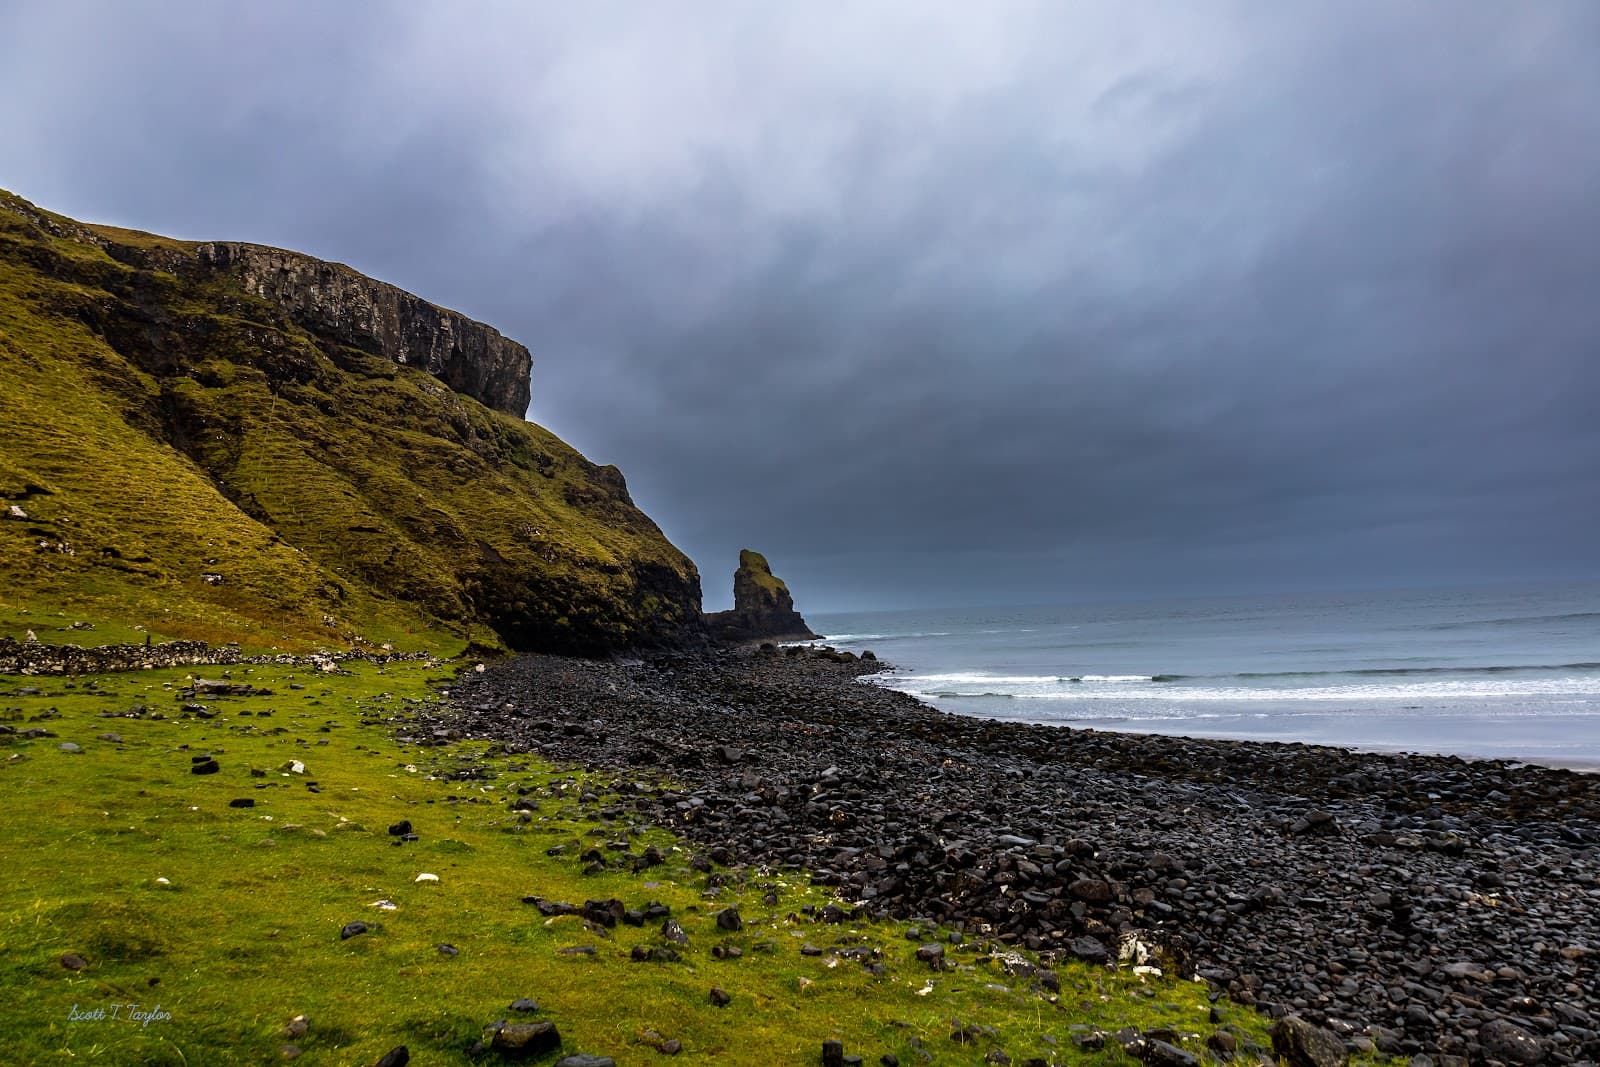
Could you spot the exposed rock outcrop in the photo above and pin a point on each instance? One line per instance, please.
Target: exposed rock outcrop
(332, 301)
(335, 302)
(762, 606)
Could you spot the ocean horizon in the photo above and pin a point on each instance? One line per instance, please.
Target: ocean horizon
(1491, 672)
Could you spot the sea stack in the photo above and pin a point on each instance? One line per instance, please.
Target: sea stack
(763, 610)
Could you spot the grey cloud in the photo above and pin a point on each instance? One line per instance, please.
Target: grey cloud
(938, 304)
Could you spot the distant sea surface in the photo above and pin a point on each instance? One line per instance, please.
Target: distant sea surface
(1505, 672)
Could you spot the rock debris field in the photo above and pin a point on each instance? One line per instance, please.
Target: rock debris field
(1410, 904)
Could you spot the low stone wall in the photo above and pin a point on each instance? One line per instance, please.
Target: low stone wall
(35, 657)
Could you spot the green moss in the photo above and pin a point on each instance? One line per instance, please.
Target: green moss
(756, 568)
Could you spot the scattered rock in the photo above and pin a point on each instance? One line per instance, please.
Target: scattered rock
(524, 1041)
(720, 997)
(1165, 1054)
(1506, 1041)
(1302, 1044)
(1090, 949)
(73, 962)
(354, 929)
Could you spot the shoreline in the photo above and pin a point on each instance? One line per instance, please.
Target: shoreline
(1583, 765)
(1411, 903)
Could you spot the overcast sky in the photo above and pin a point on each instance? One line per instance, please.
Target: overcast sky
(936, 304)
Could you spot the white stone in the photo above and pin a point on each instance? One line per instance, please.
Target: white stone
(426, 877)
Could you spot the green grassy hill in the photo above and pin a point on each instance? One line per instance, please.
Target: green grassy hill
(194, 458)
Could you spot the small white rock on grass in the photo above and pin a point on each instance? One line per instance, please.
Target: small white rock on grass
(426, 877)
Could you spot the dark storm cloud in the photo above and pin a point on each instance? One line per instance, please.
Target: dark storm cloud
(1011, 303)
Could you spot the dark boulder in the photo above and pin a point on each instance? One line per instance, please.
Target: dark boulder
(524, 1041)
(1509, 1043)
(1300, 1044)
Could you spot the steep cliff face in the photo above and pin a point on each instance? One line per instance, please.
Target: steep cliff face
(230, 442)
(329, 300)
(334, 302)
(762, 606)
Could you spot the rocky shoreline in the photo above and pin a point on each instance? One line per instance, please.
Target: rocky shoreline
(1411, 904)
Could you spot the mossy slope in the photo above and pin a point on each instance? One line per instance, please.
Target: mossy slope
(164, 424)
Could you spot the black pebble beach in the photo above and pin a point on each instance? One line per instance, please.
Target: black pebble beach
(1411, 904)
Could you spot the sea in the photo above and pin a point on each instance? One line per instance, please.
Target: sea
(1507, 672)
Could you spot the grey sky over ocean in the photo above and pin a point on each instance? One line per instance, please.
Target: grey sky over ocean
(936, 303)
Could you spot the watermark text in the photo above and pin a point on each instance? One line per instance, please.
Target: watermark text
(136, 1014)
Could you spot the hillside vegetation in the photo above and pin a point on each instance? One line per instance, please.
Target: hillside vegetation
(184, 455)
